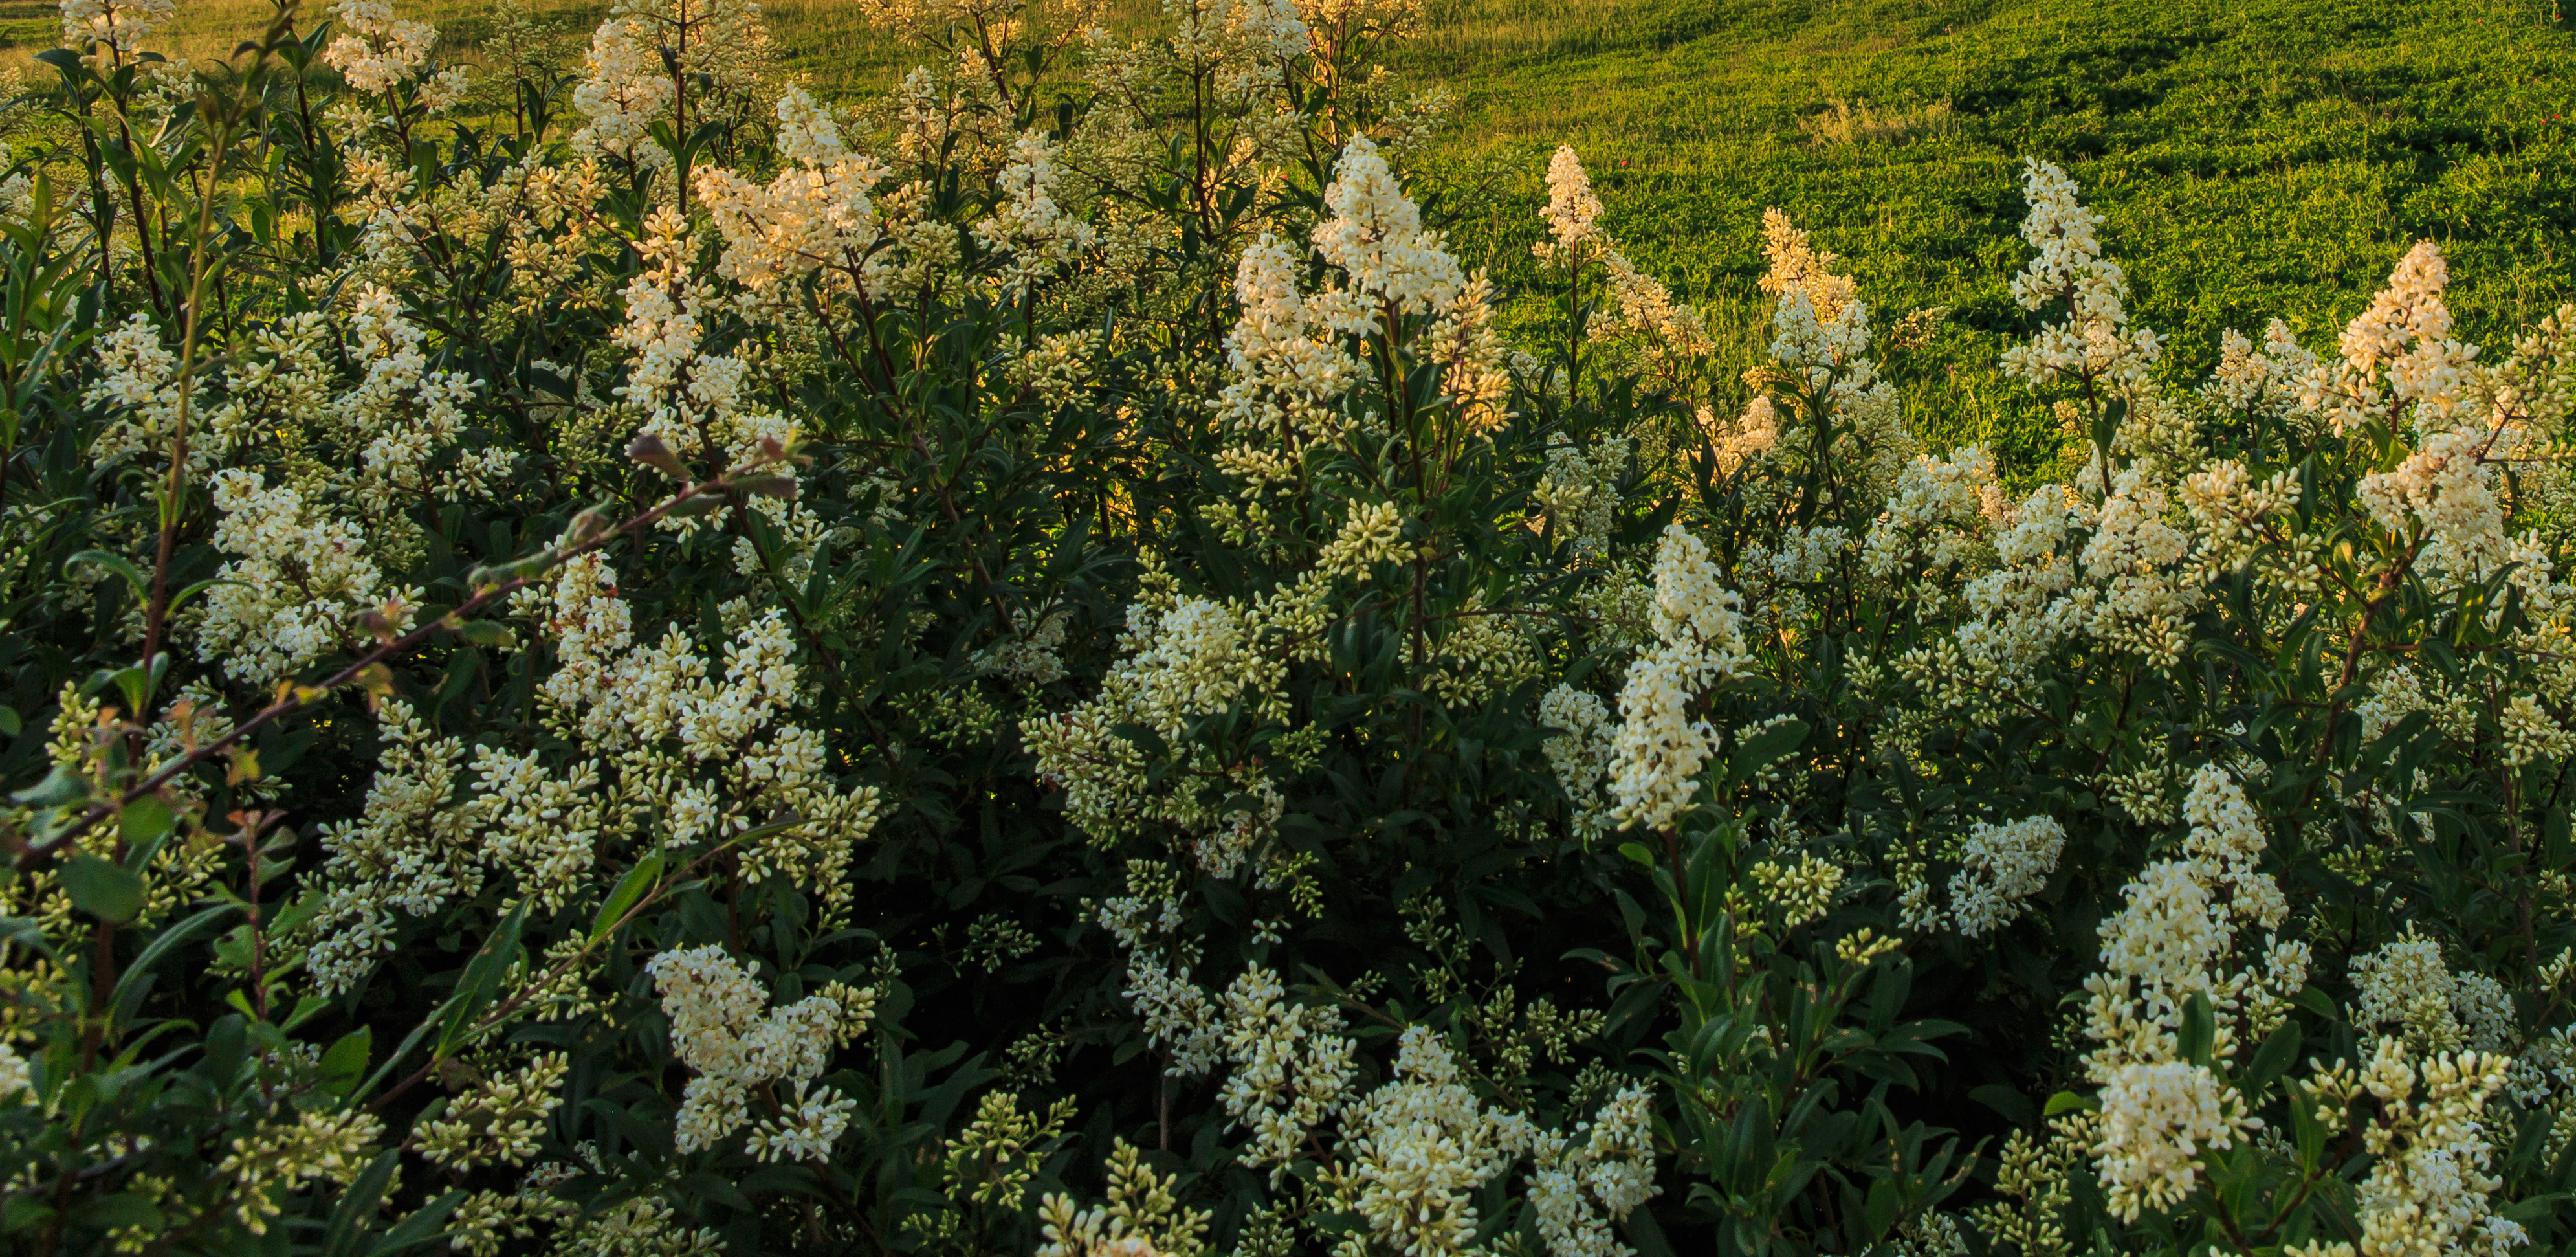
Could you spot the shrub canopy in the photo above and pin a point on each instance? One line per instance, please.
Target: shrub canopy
(612, 659)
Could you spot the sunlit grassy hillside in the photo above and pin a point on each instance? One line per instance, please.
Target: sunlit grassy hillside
(2257, 159)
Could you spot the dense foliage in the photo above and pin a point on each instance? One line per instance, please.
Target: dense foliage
(615, 660)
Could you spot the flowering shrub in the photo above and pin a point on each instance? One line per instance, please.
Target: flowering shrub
(623, 660)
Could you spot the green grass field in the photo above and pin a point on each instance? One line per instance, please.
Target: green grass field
(2257, 159)
(2270, 158)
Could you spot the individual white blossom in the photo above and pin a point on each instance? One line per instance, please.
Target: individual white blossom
(13, 1076)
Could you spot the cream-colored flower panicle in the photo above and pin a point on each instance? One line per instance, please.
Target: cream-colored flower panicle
(293, 591)
(2176, 940)
(2094, 346)
(2001, 867)
(119, 25)
(374, 49)
(724, 1030)
(1699, 633)
(1374, 234)
(1595, 1177)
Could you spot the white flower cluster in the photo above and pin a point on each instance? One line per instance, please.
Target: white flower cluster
(1374, 234)
(1288, 363)
(2174, 941)
(1247, 43)
(297, 583)
(1777, 571)
(1798, 267)
(119, 25)
(1028, 656)
(647, 54)
(623, 90)
(1580, 492)
(1573, 213)
(673, 748)
(644, 1226)
(2403, 339)
(1179, 1016)
(402, 418)
(13, 1076)
(2134, 568)
(409, 851)
(137, 376)
(1143, 1218)
(283, 1154)
(1755, 433)
(498, 1121)
(1672, 336)
(2230, 513)
(1829, 413)
(1580, 756)
(2265, 380)
(2000, 868)
(626, 702)
(723, 1029)
(375, 50)
(1418, 1147)
(1934, 525)
(1699, 635)
(1595, 1176)
(1284, 355)
(1194, 658)
(2446, 490)
(2434, 1009)
(2094, 347)
(2156, 1120)
(2428, 1194)
(1036, 237)
(815, 214)
(1184, 658)
(699, 403)
(1293, 1069)
(2019, 614)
